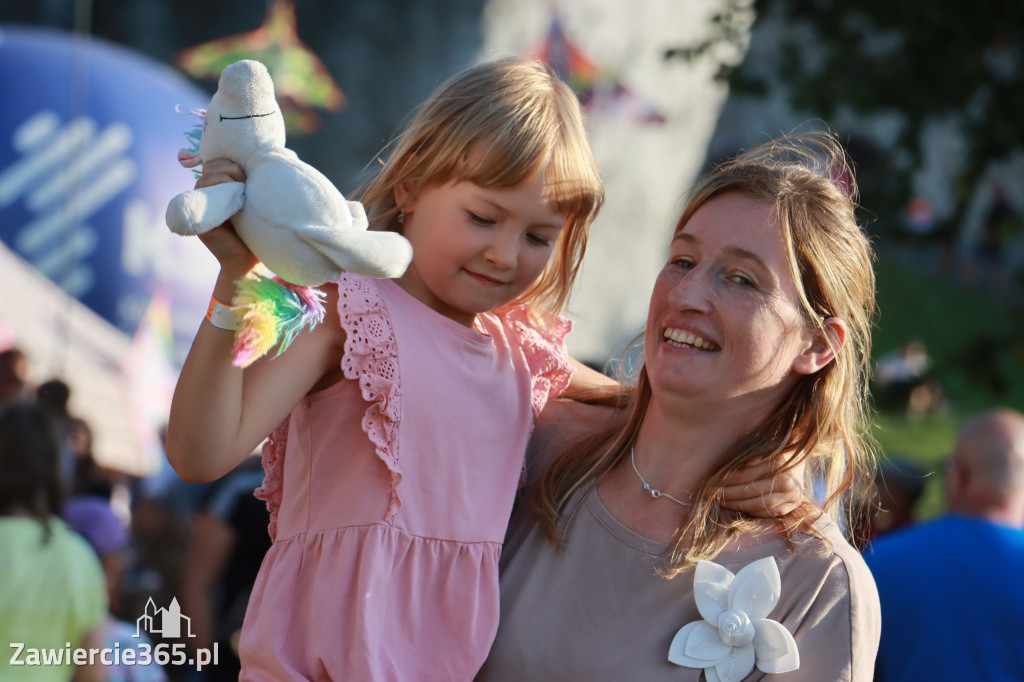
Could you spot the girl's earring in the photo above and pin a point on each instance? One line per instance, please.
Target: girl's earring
(401, 217)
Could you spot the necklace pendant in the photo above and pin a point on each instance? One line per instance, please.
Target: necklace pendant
(655, 493)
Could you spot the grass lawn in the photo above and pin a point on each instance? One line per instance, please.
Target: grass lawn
(976, 343)
(923, 442)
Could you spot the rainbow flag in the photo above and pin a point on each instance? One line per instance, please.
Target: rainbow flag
(149, 373)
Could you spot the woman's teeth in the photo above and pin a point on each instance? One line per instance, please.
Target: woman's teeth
(680, 339)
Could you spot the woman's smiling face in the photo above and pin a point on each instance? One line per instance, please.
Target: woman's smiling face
(725, 319)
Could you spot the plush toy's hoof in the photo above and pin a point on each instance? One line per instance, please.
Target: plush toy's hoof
(198, 211)
(178, 217)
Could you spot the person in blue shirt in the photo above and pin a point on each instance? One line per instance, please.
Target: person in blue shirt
(952, 589)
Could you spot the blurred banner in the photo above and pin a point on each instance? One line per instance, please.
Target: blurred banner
(88, 162)
(89, 134)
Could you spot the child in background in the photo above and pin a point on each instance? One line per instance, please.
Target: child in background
(94, 519)
(408, 410)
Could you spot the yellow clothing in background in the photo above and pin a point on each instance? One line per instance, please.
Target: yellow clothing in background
(52, 593)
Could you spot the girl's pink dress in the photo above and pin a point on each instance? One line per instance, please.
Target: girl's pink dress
(390, 493)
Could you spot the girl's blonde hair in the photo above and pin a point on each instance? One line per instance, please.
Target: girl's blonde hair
(823, 420)
(497, 124)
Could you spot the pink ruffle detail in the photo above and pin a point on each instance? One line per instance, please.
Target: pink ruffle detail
(542, 338)
(371, 358)
(273, 474)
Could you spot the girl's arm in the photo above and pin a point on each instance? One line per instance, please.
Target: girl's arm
(585, 380)
(760, 489)
(220, 413)
(562, 422)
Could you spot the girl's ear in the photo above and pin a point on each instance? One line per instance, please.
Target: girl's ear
(403, 196)
(821, 348)
(403, 189)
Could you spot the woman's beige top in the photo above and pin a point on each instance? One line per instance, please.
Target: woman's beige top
(598, 611)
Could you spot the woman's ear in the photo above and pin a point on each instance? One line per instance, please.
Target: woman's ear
(821, 348)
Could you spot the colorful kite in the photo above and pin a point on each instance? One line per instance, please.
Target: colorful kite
(301, 80)
(597, 90)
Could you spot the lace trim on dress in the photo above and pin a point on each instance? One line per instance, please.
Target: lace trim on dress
(371, 358)
(273, 473)
(542, 338)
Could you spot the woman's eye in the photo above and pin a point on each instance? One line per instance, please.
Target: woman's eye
(742, 280)
(683, 263)
(479, 219)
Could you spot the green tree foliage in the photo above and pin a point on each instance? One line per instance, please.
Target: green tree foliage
(925, 59)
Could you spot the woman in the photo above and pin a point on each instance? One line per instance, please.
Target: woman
(53, 597)
(756, 347)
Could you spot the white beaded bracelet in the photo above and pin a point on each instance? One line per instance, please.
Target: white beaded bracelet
(222, 316)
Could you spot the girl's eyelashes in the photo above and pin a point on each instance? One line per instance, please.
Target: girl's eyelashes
(535, 239)
(479, 219)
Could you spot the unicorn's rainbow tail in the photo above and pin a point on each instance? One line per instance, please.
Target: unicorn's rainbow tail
(273, 312)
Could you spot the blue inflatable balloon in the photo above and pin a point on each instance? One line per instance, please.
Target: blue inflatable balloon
(89, 134)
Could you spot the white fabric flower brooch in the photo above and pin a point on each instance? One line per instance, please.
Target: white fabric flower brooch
(735, 634)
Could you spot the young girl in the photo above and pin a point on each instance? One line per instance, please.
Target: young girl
(404, 417)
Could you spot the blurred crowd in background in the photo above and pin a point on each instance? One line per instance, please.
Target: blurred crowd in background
(157, 538)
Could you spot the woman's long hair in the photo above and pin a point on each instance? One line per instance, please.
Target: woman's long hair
(823, 420)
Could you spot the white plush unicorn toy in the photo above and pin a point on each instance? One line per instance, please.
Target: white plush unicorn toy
(290, 216)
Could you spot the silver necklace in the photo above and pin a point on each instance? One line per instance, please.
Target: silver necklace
(655, 493)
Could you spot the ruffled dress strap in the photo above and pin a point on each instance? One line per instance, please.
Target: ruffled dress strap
(542, 338)
(371, 359)
(273, 473)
